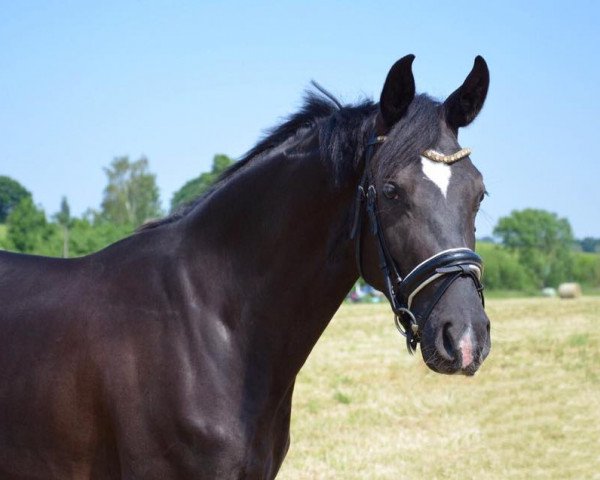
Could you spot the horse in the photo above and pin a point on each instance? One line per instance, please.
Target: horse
(172, 354)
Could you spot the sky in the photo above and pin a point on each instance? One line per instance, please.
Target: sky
(84, 82)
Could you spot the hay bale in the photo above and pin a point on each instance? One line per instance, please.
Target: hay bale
(548, 292)
(569, 290)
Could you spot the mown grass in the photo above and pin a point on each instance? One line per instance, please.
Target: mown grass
(364, 409)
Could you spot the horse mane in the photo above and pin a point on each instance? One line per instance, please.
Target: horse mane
(343, 131)
(318, 104)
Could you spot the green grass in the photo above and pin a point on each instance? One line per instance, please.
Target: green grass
(590, 290)
(363, 408)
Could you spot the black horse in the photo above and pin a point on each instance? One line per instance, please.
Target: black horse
(173, 353)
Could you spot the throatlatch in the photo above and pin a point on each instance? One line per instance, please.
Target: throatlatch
(451, 264)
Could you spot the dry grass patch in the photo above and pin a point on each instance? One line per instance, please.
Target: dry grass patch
(363, 408)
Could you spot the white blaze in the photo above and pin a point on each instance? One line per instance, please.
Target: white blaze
(465, 345)
(439, 173)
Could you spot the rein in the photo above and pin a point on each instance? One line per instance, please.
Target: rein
(450, 264)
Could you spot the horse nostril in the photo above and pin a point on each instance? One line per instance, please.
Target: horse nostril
(447, 340)
(487, 326)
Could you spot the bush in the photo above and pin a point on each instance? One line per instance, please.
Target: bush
(586, 269)
(543, 243)
(502, 269)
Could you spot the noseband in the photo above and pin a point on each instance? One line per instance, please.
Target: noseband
(449, 265)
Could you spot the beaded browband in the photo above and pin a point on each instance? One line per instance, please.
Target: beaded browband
(447, 159)
(437, 156)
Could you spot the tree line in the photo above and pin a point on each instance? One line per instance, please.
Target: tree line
(530, 249)
(130, 198)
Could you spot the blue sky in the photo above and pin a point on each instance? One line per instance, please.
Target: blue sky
(83, 82)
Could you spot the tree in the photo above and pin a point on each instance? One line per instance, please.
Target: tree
(586, 269)
(199, 185)
(28, 231)
(86, 236)
(11, 193)
(131, 196)
(64, 220)
(503, 270)
(590, 244)
(542, 242)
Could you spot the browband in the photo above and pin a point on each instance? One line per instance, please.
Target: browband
(432, 154)
(447, 159)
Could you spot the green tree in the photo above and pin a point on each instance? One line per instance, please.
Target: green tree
(64, 220)
(28, 230)
(87, 236)
(131, 196)
(11, 193)
(503, 271)
(199, 185)
(542, 242)
(586, 269)
(590, 244)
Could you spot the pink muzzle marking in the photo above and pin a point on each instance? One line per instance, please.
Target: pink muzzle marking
(465, 346)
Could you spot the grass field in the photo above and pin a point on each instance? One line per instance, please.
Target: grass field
(2, 231)
(364, 409)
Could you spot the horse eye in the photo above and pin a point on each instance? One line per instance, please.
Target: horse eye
(390, 191)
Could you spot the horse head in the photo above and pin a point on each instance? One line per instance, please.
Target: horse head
(422, 194)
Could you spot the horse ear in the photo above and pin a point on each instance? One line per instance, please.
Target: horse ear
(398, 91)
(464, 104)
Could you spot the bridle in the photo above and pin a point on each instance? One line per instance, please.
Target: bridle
(449, 265)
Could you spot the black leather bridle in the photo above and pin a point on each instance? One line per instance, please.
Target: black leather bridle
(449, 265)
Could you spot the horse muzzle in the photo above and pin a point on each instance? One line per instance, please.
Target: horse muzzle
(453, 343)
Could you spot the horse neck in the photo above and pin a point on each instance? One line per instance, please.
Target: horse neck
(275, 241)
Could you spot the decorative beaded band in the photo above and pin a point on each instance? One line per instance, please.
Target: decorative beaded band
(432, 154)
(447, 159)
